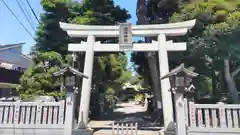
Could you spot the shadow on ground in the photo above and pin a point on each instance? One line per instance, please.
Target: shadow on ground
(139, 128)
(144, 120)
(127, 113)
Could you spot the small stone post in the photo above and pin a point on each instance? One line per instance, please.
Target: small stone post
(180, 115)
(69, 116)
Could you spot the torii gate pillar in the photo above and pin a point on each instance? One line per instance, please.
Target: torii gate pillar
(165, 83)
(87, 83)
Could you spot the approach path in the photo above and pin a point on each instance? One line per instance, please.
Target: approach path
(126, 113)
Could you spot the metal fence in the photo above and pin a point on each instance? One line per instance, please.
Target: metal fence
(124, 128)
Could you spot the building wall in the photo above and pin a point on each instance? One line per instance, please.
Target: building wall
(16, 59)
(9, 76)
(12, 65)
(8, 92)
(17, 50)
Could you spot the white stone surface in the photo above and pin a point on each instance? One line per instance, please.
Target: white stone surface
(180, 115)
(138, 47)
(186, 24)
(168, 32)
(173, 29)
(82, 132)
(165, 83)
(87, 82)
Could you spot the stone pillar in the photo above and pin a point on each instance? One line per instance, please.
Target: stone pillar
(180, 115)
(69, 121)
(165, 83)
(86, 84)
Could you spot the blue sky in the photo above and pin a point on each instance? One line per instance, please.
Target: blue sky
(12, 32)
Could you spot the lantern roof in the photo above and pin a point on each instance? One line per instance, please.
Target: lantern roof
(70, 69)
(179, 69)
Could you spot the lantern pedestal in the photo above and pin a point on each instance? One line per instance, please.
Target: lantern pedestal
(180, 115)
(82, 132)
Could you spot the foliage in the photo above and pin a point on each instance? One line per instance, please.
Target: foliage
(215, 19)
(213, 40)
(98, 12)
(159, 11)
(38, 79)
(152, 12)
(49, 36)
(109, 69)
(142, 68)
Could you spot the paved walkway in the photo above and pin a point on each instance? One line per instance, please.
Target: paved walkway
(126, 113)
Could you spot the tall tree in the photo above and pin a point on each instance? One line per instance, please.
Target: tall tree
(108, 67)
(150, 56)
(37, 80)
(49, 36)
(154, 12)
(214, 39)
(159, 11)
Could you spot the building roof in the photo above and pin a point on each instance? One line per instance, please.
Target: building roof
(17, 58)
(26, 56)
(7, 46)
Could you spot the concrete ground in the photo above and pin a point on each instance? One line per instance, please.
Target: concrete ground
(126, 113)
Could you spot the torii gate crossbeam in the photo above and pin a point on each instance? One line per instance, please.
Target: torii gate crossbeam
(172, 29)
(138, 47)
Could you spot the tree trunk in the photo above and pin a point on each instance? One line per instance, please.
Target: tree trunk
(79, 66)
(231, 85)
(154, 77)
(215, 93)
(151, 57)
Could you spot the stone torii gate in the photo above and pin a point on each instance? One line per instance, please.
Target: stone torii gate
(161, 45)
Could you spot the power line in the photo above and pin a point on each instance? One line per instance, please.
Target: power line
(32, 11)
(17, 18)
(29, 14)
(26, 16)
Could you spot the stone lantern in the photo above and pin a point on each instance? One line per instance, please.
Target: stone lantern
(68, 76)
(68, 82)
(180, 79)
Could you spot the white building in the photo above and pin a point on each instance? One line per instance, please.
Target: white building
(11, 57)
(12, 64)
